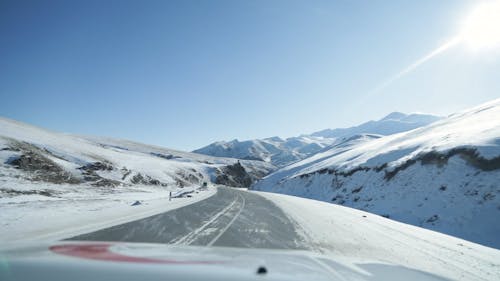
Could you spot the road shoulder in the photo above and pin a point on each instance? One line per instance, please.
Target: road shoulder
(60, 219)
(345, 232)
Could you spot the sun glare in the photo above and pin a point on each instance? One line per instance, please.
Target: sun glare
(481, 30)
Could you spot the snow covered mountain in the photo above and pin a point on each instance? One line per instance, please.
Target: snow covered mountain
(395, 122)
(444, 176)
(281, 152)
(275, 150)
(31, 154)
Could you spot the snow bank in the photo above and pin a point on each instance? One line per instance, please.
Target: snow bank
(69, 212)
(344, 232)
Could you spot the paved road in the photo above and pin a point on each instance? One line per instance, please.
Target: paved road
(230, 218)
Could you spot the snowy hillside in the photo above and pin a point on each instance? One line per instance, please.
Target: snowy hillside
(31, 154)
(282, 152)
(444, 177)
(275, 150)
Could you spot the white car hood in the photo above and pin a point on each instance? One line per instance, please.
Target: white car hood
(76, 261)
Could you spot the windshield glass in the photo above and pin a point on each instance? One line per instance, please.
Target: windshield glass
(226, 140)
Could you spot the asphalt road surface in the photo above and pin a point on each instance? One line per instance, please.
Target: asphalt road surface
(230, 218)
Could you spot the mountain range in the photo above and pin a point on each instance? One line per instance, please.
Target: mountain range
(281, 152)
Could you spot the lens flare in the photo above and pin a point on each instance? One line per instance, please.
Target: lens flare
(411, 67)
(481, 29)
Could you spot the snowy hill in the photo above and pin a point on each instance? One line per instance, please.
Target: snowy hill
(281, 152)
(31, 154)
(444, 176)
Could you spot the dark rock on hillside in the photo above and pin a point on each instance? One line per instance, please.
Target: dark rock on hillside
(146, 180)
(470, 155)
(97, 166)
(43, 192)
(105, 182)
(89, 173)
(234, 175)
(164, 156)
(39, 167)
(185, 178)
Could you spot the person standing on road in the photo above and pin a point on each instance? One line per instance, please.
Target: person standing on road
(170, 196)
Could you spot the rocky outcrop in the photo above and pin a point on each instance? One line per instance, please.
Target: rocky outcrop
(145, 180)
(90, 174)
(39, 167)
(233, 175)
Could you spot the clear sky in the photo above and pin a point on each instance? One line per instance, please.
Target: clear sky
(183, 74)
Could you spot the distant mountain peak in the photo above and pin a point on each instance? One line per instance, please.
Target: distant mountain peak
(395, 122)
(275, 139)
(396, 115)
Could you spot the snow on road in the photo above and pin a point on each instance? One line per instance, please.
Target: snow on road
(38, 217)
(344, 232)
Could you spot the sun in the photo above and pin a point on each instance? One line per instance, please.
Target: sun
(481, 29)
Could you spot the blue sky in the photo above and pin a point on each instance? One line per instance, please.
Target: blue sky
(183, 74)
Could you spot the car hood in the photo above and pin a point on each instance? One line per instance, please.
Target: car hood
(138, 261)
